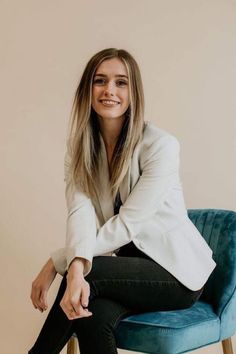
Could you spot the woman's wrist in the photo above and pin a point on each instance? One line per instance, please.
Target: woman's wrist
(77, 266)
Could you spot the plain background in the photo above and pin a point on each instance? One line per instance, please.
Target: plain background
(186, 50)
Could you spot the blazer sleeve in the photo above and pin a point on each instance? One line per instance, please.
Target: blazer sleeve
(80, 226)
(159, 163)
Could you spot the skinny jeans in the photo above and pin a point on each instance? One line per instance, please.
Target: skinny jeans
(127, 284)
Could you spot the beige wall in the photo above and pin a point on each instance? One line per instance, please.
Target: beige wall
(186, 51)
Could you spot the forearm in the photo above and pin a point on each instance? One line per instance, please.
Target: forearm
(50, 265)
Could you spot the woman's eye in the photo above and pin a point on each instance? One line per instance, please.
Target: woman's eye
(98, 81)
(102, 81)
(121, 82)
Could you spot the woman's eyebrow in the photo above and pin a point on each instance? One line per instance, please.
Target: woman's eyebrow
(119, 75)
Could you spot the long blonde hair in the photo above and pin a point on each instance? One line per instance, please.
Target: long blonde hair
(83, 143)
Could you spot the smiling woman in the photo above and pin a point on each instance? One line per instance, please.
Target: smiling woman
(111, 99)
(123, 193)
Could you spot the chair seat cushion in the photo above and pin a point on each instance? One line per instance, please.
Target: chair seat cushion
(169, 332)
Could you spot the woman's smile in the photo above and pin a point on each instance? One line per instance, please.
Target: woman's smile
(109, 103)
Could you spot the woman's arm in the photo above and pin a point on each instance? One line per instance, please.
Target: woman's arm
(80, 225)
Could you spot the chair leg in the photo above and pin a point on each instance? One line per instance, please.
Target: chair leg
(72, 346)
(227, 346)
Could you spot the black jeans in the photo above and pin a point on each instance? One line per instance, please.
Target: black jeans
(128, 284)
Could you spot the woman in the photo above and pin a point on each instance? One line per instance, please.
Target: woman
(130, 246)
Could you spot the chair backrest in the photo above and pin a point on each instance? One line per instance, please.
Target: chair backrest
(218, 227)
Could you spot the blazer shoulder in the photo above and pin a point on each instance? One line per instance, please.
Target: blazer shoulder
(155, 136)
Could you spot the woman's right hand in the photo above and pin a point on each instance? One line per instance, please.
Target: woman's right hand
(41, 284)
(77, 292)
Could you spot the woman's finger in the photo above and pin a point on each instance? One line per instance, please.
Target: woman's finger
(85, 292)
(74, 303)
(67, 310)
(35, 296)
(78, 309)
(43, 299)
(73, 313)
(82, 313)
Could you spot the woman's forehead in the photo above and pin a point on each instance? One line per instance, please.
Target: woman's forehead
(112, 67)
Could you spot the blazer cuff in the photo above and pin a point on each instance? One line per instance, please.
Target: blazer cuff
(59, 260)
(74, 252)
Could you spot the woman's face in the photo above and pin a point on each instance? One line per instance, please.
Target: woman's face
(110, 93)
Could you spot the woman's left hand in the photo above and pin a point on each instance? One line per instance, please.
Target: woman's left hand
(41, 284)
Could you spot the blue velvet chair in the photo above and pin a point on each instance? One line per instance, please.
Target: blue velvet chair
(210, 320)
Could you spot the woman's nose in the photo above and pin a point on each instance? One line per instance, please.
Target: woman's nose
(109, 89)
(108, 93)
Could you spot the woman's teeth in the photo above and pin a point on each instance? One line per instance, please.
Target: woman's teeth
(109, 103)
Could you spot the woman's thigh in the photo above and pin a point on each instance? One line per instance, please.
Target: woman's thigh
(138, 283)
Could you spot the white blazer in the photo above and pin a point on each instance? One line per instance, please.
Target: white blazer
(153, 214)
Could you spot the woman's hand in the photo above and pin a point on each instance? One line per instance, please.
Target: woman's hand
(77, 293)
(41, 285)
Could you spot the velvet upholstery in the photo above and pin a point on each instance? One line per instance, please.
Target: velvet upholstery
(212, 318)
